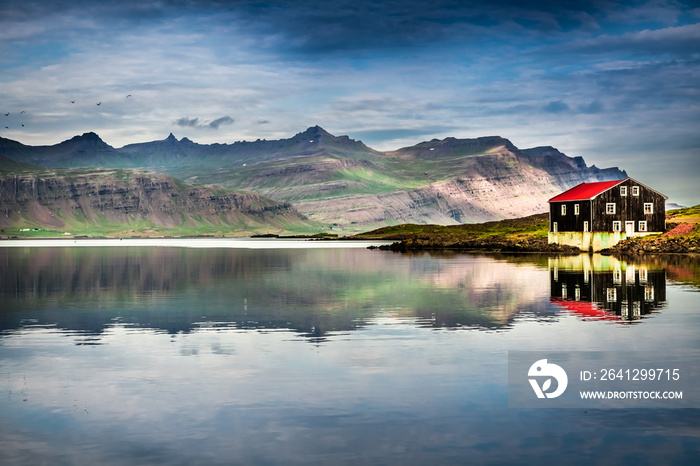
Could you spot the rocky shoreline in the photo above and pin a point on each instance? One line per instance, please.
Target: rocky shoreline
(488, 244)
(496, 243)
(660, 245)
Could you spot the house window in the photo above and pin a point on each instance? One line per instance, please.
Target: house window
(617, 277)
(610, 208)
(623, 190)
(648, 207)
(611, 295)
(617, 225)
(555, 227)
(563, 209)
(642, 225)
(576, 209)
(649, 294)
(643, 275)
(635, 190)
(585, 226)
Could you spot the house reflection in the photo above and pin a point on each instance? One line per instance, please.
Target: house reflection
(596, 287)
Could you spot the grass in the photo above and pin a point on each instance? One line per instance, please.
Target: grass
(534, 226)
(683, 222)
(685, 215)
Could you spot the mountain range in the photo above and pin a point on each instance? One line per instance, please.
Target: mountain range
(333, 182)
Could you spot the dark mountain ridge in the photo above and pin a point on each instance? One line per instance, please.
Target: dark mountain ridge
(450, 147)
(88, 150)
(342, 182)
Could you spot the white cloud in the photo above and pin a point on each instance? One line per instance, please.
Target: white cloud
(582, 90)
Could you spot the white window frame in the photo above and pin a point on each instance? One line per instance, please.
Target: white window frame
(642, 225)
(635, 190)
(610, 208)
(577, 209)
(636, 309)
(585, 225)
(611, 295)
(643, 275)
(648, 207)
(555, 227)
(649, 294)
(563, 209)
(617, 225)
(623, 191)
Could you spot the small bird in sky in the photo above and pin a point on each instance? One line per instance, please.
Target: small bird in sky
(128, 96)
(22, 112)
(72, 101)
(99, 103)
(7, 114)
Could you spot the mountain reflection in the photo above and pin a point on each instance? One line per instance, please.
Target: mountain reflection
(604, 288)
(315, 293)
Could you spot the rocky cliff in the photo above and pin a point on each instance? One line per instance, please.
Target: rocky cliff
(110, 200)
(446, 182)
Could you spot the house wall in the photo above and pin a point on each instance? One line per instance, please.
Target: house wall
(628, 292)
(629, 208)
(570, 221)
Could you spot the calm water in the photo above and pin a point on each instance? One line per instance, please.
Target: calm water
(171, 355)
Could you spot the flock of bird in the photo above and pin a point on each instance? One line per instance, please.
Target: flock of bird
(72, 102)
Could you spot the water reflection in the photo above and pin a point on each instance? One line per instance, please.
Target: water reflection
(605, 288)
(315, 293)
(195, 356)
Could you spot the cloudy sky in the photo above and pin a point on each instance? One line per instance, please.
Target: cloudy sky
(617, 82)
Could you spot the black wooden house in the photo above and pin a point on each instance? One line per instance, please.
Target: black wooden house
(593, 216)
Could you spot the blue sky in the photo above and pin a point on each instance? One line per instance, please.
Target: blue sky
(617, 82)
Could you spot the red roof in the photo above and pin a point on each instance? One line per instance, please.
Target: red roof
(585, 191)
(585, 310)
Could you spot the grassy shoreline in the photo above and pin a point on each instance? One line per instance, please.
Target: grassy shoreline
(529, 234)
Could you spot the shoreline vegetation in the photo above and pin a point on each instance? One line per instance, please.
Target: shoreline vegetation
(526, 234)
(519, 235)
(529, 234)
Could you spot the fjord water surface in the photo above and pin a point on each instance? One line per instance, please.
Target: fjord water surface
(172, 355)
